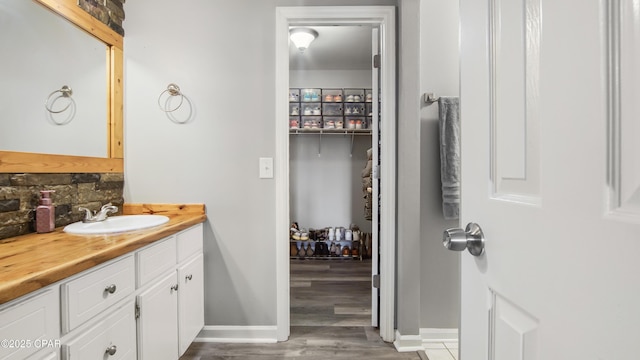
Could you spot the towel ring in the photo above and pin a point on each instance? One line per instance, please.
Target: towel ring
(65, 92)
(173, 90)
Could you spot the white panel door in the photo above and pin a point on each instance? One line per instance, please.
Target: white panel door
(190, 301)
(551, 172)
(158, 319)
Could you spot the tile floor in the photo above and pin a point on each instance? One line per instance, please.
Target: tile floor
(441, 351)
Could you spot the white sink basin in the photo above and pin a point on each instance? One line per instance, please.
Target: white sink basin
(116, 224)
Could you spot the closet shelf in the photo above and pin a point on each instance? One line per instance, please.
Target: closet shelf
(366, 132)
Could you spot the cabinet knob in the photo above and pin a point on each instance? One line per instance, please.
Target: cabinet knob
(110, 289)
(111, 350)
(174, 288)
(189, 277)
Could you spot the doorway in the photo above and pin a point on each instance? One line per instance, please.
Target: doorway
(331, 118)
(384, 19)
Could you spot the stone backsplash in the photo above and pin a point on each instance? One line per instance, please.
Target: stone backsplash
(20, 194)
(109, 12)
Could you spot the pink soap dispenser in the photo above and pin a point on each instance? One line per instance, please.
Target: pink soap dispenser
(45, 213)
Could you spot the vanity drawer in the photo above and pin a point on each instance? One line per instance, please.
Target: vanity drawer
(29, 322)
(47, 355)
(189, 242)
(155, 260)
(116, 333)
(93, 292)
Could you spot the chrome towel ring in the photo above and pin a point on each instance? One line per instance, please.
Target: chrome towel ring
(173, 90)
(65, 92)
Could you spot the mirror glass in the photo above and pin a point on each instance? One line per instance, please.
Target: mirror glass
(41, 53)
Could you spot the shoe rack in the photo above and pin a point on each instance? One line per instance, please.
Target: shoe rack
(309, 248)
(330, 111)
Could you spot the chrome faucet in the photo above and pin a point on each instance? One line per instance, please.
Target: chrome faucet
(101, 215)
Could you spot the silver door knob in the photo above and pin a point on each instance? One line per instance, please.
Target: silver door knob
(470, 238)
(111, 350)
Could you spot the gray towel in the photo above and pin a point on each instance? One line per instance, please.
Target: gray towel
(450, 155)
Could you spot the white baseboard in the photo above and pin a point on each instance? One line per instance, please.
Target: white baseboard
(239, 334)
(439, 335)
(406, 343)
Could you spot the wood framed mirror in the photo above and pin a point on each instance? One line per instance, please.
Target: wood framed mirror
(25, 162)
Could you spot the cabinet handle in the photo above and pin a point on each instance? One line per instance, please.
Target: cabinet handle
(111, 350)
(110, 289)
(189, 277)
(174, 288)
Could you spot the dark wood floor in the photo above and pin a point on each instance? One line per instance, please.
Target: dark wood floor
(330, 318)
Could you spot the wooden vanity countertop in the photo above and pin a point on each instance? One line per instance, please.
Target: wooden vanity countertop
(34, 261)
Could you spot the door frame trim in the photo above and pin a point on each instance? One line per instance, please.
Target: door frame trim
(384, 17)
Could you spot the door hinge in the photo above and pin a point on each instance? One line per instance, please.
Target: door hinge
(137, 311)
(376, 61)
(376, 281)
(376, 172)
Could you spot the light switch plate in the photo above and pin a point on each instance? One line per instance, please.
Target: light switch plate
(266, 168)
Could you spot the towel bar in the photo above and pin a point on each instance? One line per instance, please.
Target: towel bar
(429, 98)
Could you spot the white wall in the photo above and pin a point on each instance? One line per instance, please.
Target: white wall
(428, 275)
(330, 78)
(408, 202)
(213, 159)
(326, 189)
(440, 281)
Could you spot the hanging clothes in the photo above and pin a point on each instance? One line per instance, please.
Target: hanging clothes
(367, 186)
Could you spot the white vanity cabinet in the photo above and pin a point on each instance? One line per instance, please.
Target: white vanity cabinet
(145, 304)
(171, 300)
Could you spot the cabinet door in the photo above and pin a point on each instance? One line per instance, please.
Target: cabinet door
(158, 320)
(190, 301)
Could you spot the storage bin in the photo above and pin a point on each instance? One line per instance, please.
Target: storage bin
(368, 109)
(311, 109)
(368, 95)
(311, 122)
(332, 95)
(294, 95)
(310, 95)
(356, 123)
(354, 95)
(354, 109)
(294, 109)
(294, 122)
(332, 109)
(333, 122)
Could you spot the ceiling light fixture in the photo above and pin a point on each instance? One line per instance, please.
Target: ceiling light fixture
(302, 37)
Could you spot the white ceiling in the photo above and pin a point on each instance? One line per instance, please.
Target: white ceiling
(337, 47)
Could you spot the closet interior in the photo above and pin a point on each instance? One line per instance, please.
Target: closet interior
(331, 108)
